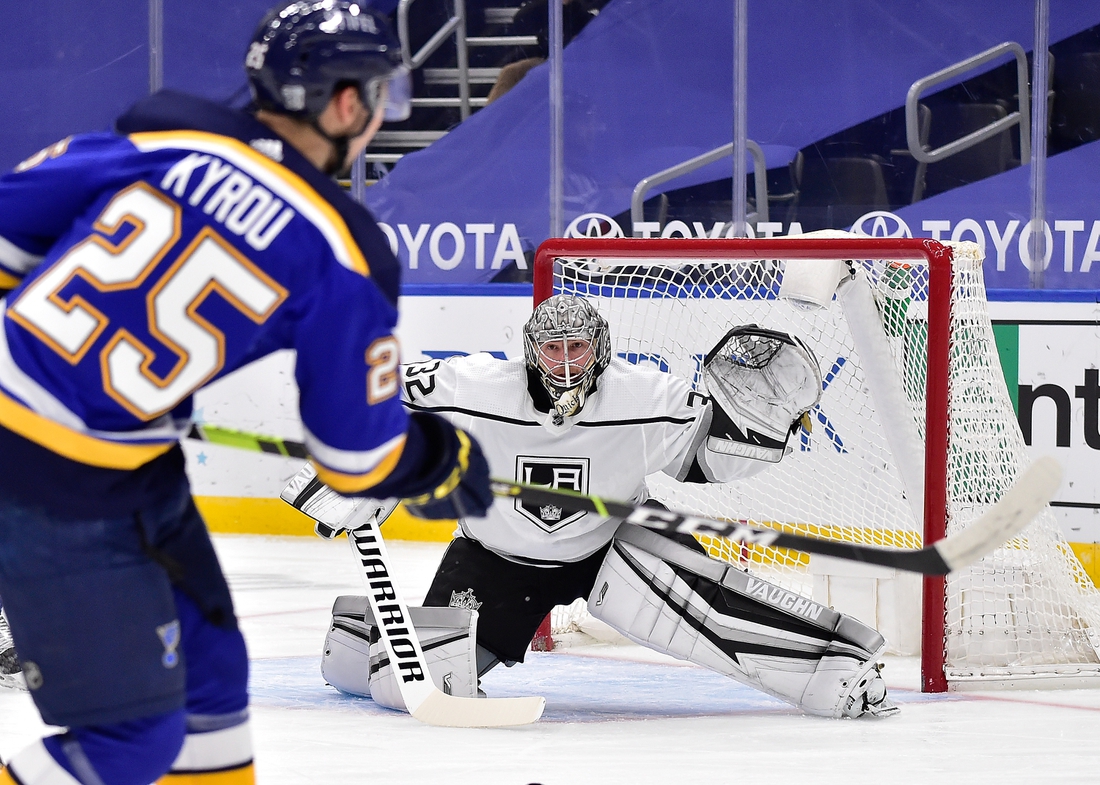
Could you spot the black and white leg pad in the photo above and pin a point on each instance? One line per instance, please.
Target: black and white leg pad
(355, 659)
(672, 599)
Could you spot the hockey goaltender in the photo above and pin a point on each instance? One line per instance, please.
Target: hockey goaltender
(570, 415)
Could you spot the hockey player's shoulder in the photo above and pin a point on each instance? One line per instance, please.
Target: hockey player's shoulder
(483, 365)
(471, 373)
(483, 381)
(628, 390)
(642, 374)
(203, 131)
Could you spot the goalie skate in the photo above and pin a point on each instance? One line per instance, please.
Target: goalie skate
(870, 697)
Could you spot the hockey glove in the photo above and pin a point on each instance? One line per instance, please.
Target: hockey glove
(763, 382)
(328, 509)
(465, 493)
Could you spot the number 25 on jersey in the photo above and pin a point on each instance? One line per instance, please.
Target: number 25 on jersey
(70, 325)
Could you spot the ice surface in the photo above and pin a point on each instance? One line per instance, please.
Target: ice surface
(615, 714)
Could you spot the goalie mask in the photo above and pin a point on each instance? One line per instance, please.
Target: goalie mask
(568, 344)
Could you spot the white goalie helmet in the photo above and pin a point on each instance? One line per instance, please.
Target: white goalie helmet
(568, 344)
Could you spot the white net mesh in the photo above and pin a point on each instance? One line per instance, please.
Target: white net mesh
(1028, 605)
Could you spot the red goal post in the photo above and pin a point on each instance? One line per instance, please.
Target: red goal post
(617, 269)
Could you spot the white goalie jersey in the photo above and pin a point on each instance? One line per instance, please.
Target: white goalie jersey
(639, 421)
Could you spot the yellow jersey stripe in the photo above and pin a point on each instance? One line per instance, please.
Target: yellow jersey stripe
(73, 445)
(6, 778)
(245, 775)
(7, 280)
(355, 483)
(347, 251)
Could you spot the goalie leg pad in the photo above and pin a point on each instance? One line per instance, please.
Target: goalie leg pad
(671, 599)
(355, 658)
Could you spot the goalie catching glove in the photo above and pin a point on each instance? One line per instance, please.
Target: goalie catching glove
(762, 382)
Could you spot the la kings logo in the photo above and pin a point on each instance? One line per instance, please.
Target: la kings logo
(569, 474)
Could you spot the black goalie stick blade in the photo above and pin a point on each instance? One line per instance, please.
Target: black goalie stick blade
(1003, 521)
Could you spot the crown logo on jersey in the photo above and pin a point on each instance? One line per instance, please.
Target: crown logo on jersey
(464, 599)
(550, 513)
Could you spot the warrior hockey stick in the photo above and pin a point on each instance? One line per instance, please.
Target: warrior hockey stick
(1004, 520)
(422, 698)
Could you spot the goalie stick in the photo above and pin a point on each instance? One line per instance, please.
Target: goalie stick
(422, 698)
(1004, 520)
(1015, 510)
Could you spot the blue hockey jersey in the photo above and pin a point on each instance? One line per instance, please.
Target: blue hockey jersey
(148, 263)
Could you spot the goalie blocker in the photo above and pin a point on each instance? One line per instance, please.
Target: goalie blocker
(673, 599)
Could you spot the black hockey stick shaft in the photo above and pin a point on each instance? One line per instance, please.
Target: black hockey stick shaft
(1019, 505)
(925, 560)
(1002, 521)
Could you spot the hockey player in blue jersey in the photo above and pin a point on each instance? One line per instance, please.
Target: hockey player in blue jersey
(142, 265)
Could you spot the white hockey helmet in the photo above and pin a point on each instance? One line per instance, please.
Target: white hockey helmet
(568, 344)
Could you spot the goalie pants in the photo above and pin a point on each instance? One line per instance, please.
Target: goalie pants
(127, 636)
(511, 598)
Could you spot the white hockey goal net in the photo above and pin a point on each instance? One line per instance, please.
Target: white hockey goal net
(915, 433)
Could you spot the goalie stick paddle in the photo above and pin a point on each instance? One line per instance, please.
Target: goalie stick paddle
(422, 698)
(1004, 520)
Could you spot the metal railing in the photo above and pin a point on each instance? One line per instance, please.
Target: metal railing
(455, 26)
(1020, 117)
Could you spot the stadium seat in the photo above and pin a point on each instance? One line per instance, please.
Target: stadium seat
(985, 159)
(1076, 116)
(835, 192)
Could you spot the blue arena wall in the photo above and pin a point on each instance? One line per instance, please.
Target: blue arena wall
(648, 84)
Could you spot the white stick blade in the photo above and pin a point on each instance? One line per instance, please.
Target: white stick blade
(423, 699)
(1005, 519)
(451, 712)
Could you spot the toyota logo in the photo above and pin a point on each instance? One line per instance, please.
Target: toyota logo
(881, 224)
(594, 225)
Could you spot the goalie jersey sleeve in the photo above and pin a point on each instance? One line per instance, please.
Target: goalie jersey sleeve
(146, 266)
